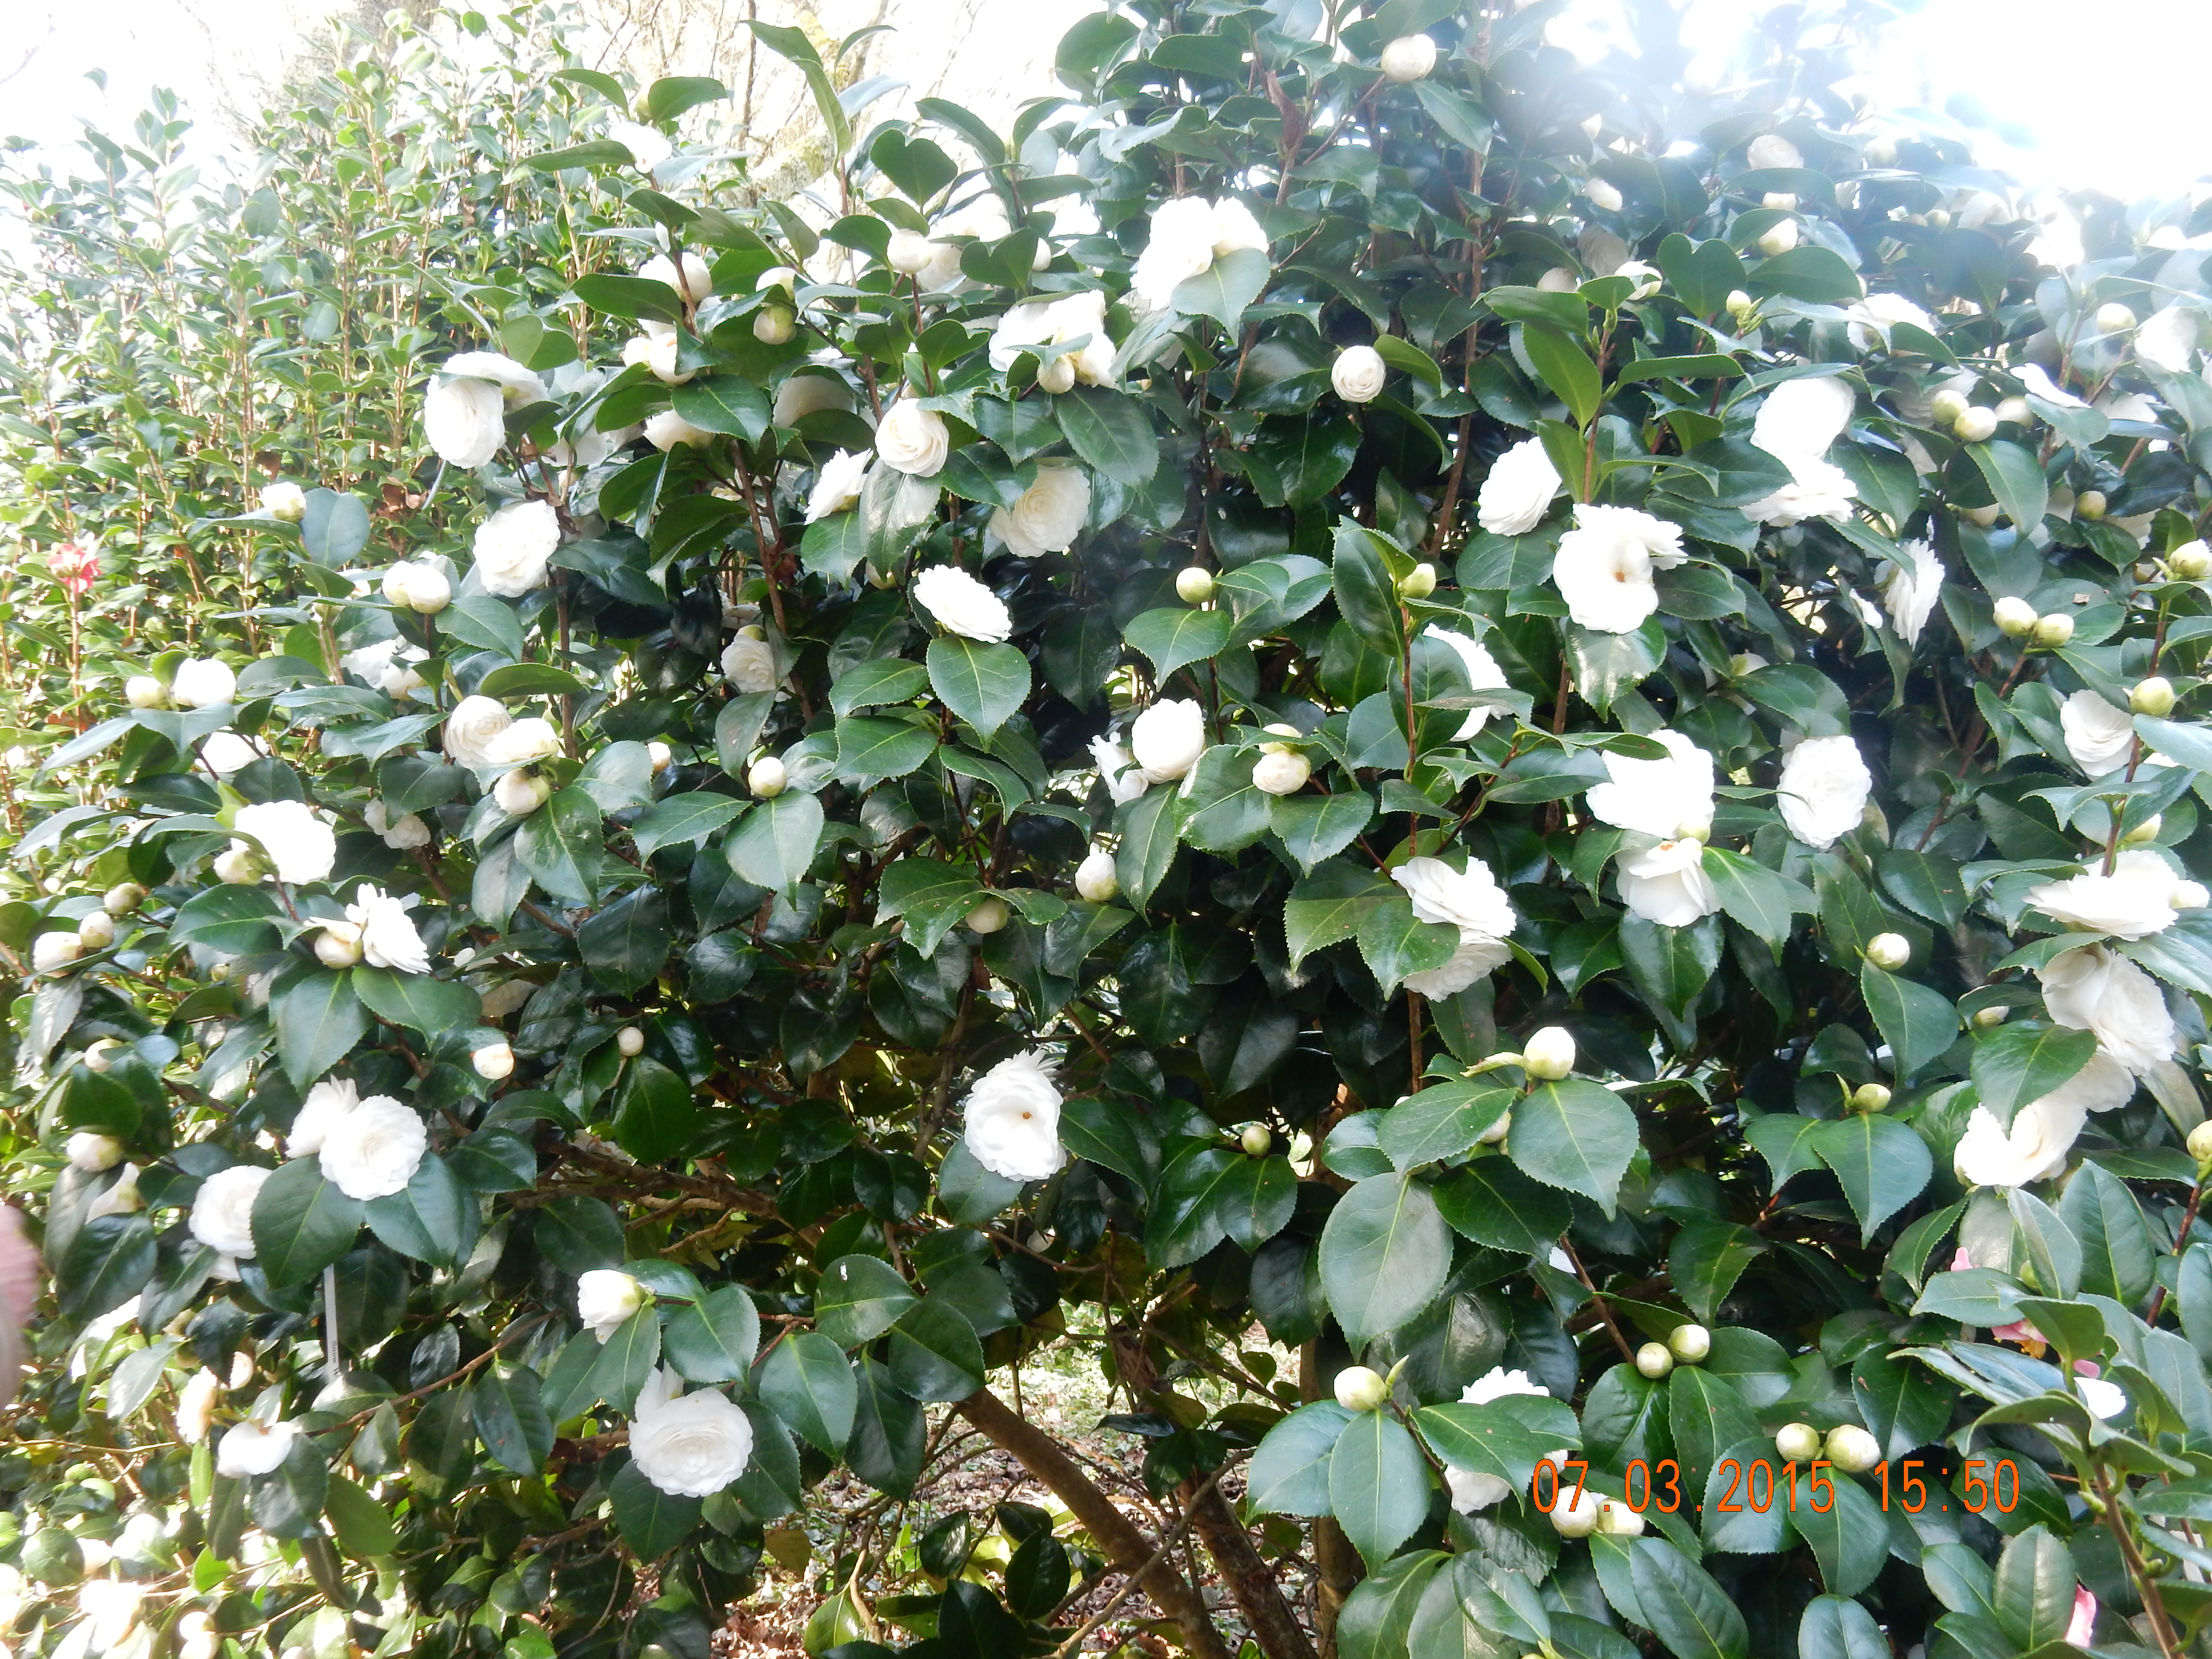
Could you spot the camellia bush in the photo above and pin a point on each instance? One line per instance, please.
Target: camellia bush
(1479, 766)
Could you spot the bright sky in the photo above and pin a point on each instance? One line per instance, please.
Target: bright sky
(2110, 89)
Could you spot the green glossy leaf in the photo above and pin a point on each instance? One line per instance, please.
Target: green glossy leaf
(1289, 1471)
(774, 843)
(301, 1222)
(319, 1020)
(715, 1338)
(2017, 1063)
(1880, 1164)
(1384, 1255)
(1378, 1487)
(983, 685)
(807, 1381)
(689, 818)
(1574, 1135)
(1110, 431)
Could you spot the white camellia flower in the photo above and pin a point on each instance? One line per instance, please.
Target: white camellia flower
(1012, 1122)
(122, 1198)
(1518, 491)
(92, 1153)
(1823, 790)
(2038, 381)
(1050, 513)
(808, 394)
(1059, 322)
(1472, 1489)
(387, 666)
(1771, 149)
(1188, 235)
(512, 546)
(196, 1404)
(203, 682)
(913, 440)
(688, 1445)
(53, 952)
(374, 1151)
(1817, 490)
(403, 834)
(1124, 779)
(666, 430)
(222, 1210)
(1471, 901)
(292, 836)
(749, 664)
(1483, 673)
(1661, 539)
(605, 1299)
(1604, 573)
(471, 728)
(2042, 1131)
(2134, 901)
(388, 938)
(1167, 739)
(962, 606)
(837, 485)
(2105, 1400)
(524, 742)
(1874, 317)
(2095, 989)
(1663, 798)
(464, 421)
(1359, 371)
(1408, 57)
(647, 146)
(285, 501)
(248, 1449)
(1803, 417)
(2100, 738)
(1910, 595)
(1668, 883)
(326, 1102)
(693, 283)
(658, 353)
(2169, 338)
(1097, 879)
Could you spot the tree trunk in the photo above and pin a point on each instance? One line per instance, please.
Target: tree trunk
(1337, 1566)
(1274, 1624)
(1124, 1545)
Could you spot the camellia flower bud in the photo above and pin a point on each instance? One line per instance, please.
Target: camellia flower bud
(1984, 516)
(1602, 195)
(1690, 1344)
(1985, 1017)
(100, 1055)
(1195, 584)
(1576, 1515)
(1409, 58)
(2191, 561)
(2015, 617)
(2152, 696)
(122, 898)
(910, 252)
(2189, 896)
(1852, 1449)
(521, 793)
(1781, 239)
(989, 917)
(242, 866)
(428, 592)
(1653, 1360)
(1973, 426)
(1881, 152)
(1550, 1053)
(96, 931)
(2113, 318)
(1496, 1133)
(629, 1043)
(1256, 1140)
(286, 502)
(2015, 410)
(2200, 1143)
(1945, 406)
(144, 692)
(2090, 504)
(1281, 774)
(494, 1061)
(51, 953)
(1360, 1389)
(774, 326)
(1617, 1520)
(1890, 951)
(1797, 1443)
(1097, 879)
(1870, 1097)
(767, 778)
(1740, 305)
(659, 754)
(2053, 631)
(2146, 831)
(1418, 582)
(338, 945)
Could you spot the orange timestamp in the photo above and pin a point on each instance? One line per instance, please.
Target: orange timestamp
(1754, 1485)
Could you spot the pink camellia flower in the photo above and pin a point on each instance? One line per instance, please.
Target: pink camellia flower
(2085, 1617)
(74, 565)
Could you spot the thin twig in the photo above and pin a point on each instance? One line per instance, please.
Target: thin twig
(1179, 1532)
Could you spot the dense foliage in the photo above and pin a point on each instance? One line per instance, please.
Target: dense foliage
(1523, 729)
